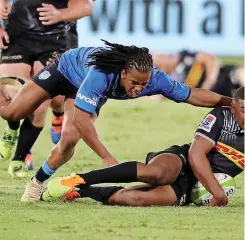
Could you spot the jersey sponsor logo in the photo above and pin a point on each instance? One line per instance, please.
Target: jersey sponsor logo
(231, 153)
(87, 99)
(207, 123)
(14, 57)
(44, 75)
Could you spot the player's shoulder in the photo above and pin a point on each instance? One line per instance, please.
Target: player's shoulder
(220, 111)
(158, 75)
(215, 118)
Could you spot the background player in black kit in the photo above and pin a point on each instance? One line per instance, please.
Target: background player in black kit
(201, 70)
(171, 173)
(36, 32)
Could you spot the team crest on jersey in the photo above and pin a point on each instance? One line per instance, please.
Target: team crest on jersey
(207, 123)
(44, 75)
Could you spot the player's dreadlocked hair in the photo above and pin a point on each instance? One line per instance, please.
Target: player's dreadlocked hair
(239, 94)
(116, 57)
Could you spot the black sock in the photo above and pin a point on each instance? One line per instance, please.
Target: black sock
(44, 172)
(121, 173)
(28, 136)
(58, 114)
(41, 176)
(100, 194)
(14, 125)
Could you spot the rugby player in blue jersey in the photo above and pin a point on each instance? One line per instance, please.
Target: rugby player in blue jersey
(87, 77)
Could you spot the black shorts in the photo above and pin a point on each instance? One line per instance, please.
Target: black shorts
(72, 36)
(184, 183)
(225, 85)
(27, 48)
(55, 83)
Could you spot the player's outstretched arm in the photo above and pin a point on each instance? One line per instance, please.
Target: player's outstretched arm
(200, 147)
(205, 98)
(76, 9)
(84, 124)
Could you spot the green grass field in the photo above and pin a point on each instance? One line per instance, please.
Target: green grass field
(129, 129)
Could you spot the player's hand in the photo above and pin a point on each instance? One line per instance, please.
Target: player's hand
(4, 38)
(219, 200)
(49, 15)
(5, 9)
(109, 161)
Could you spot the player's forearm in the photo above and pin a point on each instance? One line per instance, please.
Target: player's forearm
(203, 172)
(76, 9)
(205, 98)
(88, 133)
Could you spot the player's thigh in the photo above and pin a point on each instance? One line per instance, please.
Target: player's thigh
(15, 70)
(145, 195)
(37, 67)
(21, 70)
(168, 163)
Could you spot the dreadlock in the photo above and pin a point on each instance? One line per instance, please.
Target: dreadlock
(116, 57)
(239, 94)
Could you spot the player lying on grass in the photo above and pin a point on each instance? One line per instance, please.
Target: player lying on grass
(87, 77)
(217, 147)
(201, 70)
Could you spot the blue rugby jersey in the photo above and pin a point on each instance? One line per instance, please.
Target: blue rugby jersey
(94, 84)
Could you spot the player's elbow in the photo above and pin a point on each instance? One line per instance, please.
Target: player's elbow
(192, 156)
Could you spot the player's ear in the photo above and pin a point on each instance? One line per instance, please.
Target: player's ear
(123, 73)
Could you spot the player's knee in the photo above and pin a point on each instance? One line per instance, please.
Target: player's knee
(157, 175)
(39, 116)
(68, 139)
(11, 115)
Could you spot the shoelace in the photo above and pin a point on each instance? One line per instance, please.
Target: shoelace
(34, 190)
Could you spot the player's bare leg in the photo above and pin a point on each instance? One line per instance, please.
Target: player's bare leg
(144, 195)
(61, 153)
(161, 170)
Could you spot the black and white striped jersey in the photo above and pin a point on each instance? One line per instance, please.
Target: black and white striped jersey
(220, 127)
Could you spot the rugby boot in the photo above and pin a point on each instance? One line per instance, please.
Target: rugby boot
(17, 169)
(29, 161)
(63, 188)
(7, 143)
(33, 191)
(55, 130)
